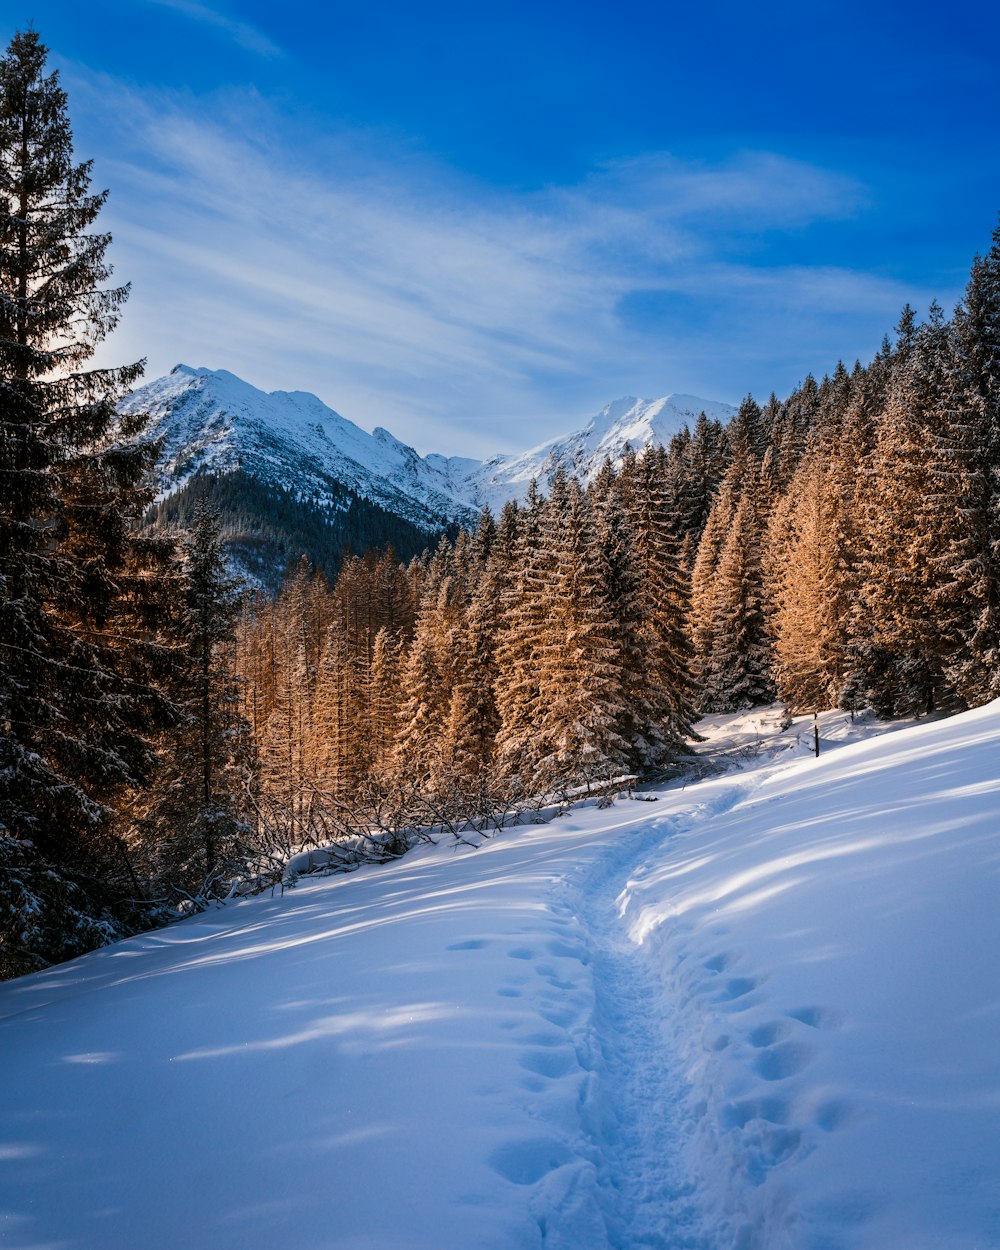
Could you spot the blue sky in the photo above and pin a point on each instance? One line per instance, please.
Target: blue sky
(476, 224)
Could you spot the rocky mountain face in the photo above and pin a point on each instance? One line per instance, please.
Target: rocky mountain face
(289, 475)
(214, 422)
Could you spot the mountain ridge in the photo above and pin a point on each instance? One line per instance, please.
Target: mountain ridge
(213, 420)
(223, 437)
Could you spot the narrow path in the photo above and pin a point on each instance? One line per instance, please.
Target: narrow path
(636, 1117)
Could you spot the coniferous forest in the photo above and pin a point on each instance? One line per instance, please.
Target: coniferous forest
(167, 739)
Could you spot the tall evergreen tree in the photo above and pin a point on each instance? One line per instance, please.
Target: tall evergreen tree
(580, 675)
(810, 587)
(900, 644)
(383, 701)
(967, 472)
(518, 650)
(664, 699)
(191, 820)
(80, 664)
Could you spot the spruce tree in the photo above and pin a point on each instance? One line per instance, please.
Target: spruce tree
(739, 671)
(901, 647)
(810, 585)
(968, 473)
(383, 698)
(580, 672)
(661, 695)
(81, 666)
(523, 606)
(728, 617)
(191, 821)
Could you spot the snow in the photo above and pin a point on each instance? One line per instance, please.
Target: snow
(212, 420)
(759, 1012)
(637, 422)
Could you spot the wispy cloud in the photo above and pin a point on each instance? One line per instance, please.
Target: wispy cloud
(407, 296)
(243, 33)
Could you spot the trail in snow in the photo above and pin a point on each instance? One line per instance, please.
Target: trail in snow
(637, 1114)
(648, 1199)
(639, 1111)
(758, 1013)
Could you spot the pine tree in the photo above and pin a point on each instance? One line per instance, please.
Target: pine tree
(697, 463)
(811, 586)
(900, 644)
(473, 719)
(523, 606)
(728, 616)
(81, 666)
(740, 665)
(967, 474)
(426, 691)
(701, 607)
(190, 824)
(340, 752)
(580, 672)
(661, 692)
(289, 744)
(383, 701)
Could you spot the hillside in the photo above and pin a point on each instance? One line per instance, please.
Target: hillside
(212, 421)
(756, 1013)
(289, 475)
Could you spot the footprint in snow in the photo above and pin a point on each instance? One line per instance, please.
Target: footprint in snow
(720, 962)
(562, 1017)
(550, 1063)
(768, 1034)
(819, 1017)
(525, 1162)
(739, 987)
(548, 1038)
(742, 1112)
(784, 1060)
(564, 950)
(835, 1114)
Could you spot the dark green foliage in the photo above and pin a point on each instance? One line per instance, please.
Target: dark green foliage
(695, 466)
(266, 530)
(47, 916)
(189, 826)
(80, 597)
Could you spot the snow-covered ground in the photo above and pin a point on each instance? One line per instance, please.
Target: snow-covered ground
(762, 1011)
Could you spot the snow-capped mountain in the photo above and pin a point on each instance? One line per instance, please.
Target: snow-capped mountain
(214, 421)
(290, 476)
(637, 422)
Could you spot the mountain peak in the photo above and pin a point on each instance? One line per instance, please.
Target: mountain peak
(627, 420)
(212, 420)
(618, 408)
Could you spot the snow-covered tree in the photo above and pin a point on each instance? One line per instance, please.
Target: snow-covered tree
(81, 595)
(581, 694)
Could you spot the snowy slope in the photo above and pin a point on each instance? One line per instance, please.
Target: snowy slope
(759, 1013)
(214, 420)
(636, 422)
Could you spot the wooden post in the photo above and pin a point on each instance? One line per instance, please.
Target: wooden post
(816, 731)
